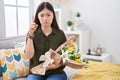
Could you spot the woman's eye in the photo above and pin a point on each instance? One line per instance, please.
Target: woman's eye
(48, 14)
(41, 15)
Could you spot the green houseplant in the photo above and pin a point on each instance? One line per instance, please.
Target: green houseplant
(69, 25)
(77, 21)
(78, 14)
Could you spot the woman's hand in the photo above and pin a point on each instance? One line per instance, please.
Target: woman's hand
(53, 66)
(57, 60)
(33, 27)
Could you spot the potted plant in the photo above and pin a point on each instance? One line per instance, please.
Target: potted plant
(69, 25)
(77, 21)
(78, 14)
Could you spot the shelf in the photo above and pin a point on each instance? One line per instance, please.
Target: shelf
(105, 57)
(82, 39)
(72, 32)
(82, 35)
(76, 32)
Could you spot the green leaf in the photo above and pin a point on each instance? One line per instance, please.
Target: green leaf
(85, 60)
(65, 48)
(72, 57)
(60, 52)
(77, 56)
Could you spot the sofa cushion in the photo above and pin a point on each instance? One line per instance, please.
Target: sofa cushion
(14, 63)
(0, 71)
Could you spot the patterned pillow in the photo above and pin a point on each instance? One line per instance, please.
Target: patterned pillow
(0, 71)
(14, 63)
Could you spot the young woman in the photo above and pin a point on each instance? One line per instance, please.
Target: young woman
(44, 33)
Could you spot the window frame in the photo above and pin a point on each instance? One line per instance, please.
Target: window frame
(3, 25)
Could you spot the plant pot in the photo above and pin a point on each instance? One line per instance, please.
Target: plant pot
(69, 28)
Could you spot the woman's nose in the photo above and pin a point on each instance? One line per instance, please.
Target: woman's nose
(45, 18)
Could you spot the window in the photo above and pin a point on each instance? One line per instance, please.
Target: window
(16, 17)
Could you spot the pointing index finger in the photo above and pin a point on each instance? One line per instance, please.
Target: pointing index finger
(33, 19)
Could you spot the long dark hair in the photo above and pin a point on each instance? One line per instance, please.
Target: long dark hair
(42, 6)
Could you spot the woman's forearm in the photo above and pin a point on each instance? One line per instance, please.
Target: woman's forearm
(74, 64)
(29, 48)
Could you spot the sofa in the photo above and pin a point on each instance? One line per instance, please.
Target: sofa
(21, 60)
(69, 71)
(0, 73)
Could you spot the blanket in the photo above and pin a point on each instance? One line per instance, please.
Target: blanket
(99, 71)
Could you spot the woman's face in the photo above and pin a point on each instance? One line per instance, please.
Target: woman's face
(45, 17)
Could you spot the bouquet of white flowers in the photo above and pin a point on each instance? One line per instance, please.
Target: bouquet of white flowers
(70, 52)
(67, 52)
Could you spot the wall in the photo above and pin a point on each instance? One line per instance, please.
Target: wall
(35, 5)
(2, 23)
(102, 18)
